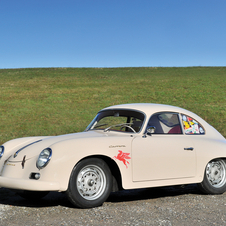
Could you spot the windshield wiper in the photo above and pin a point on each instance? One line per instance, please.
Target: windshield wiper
(97, 126)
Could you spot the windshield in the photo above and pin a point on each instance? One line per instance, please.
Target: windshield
(117, 120)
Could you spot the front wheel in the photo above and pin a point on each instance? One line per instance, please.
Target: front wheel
(214, 181)
(90, 183)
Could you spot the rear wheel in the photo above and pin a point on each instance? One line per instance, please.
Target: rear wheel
(214, 181)
(90, 183)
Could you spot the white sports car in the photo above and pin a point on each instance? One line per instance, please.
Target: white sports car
(125, 147)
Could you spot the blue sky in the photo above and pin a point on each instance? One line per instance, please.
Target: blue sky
(112, 33)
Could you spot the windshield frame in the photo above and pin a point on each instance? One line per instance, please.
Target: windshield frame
(113, 112)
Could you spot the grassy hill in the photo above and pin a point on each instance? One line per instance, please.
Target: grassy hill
(51, 101)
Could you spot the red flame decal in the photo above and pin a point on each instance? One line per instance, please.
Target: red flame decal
(122, 156)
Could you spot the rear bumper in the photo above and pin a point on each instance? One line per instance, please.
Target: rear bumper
(31, 185)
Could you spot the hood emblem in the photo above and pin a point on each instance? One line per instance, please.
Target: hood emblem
(23, 162)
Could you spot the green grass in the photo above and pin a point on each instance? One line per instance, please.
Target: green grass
(52, 101)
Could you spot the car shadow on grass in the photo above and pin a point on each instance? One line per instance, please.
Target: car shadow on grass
(10, 197)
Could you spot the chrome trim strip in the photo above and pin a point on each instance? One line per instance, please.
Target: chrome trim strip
(2, 152)
(119, 109)
(16, 153)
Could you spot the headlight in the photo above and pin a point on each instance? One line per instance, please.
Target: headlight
(44, 158)
(1, 151)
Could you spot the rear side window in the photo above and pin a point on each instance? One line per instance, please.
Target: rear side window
(165, 123)
(191, 126)
(169, 119)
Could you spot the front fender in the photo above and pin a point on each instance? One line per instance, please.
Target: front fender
(66, 154)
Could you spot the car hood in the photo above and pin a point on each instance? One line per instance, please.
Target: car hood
(34, 145)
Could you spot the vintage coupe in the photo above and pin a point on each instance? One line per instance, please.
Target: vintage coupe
(125, 147)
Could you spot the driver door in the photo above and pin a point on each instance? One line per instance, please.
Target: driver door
(163, 155)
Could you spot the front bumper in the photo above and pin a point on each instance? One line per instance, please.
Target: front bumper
(31, 185)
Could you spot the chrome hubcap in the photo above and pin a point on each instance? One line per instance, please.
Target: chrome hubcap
(216, 173)
(91, 182)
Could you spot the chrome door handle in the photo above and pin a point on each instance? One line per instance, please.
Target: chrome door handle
(189, 149)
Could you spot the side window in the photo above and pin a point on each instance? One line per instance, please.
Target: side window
(165, 123)
(191, 126)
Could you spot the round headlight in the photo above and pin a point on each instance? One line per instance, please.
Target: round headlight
(1, 151)
(44, 158)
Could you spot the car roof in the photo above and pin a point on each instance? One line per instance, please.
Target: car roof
(149, 108)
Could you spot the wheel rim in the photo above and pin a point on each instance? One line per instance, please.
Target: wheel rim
(91, 182)
(216, 173)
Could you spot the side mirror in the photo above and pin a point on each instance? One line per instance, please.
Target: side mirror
(151, 130)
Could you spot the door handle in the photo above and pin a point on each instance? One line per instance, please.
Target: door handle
(189, 149)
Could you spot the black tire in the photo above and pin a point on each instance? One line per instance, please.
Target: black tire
(90, 183)
(214, 181)
(32, 195)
